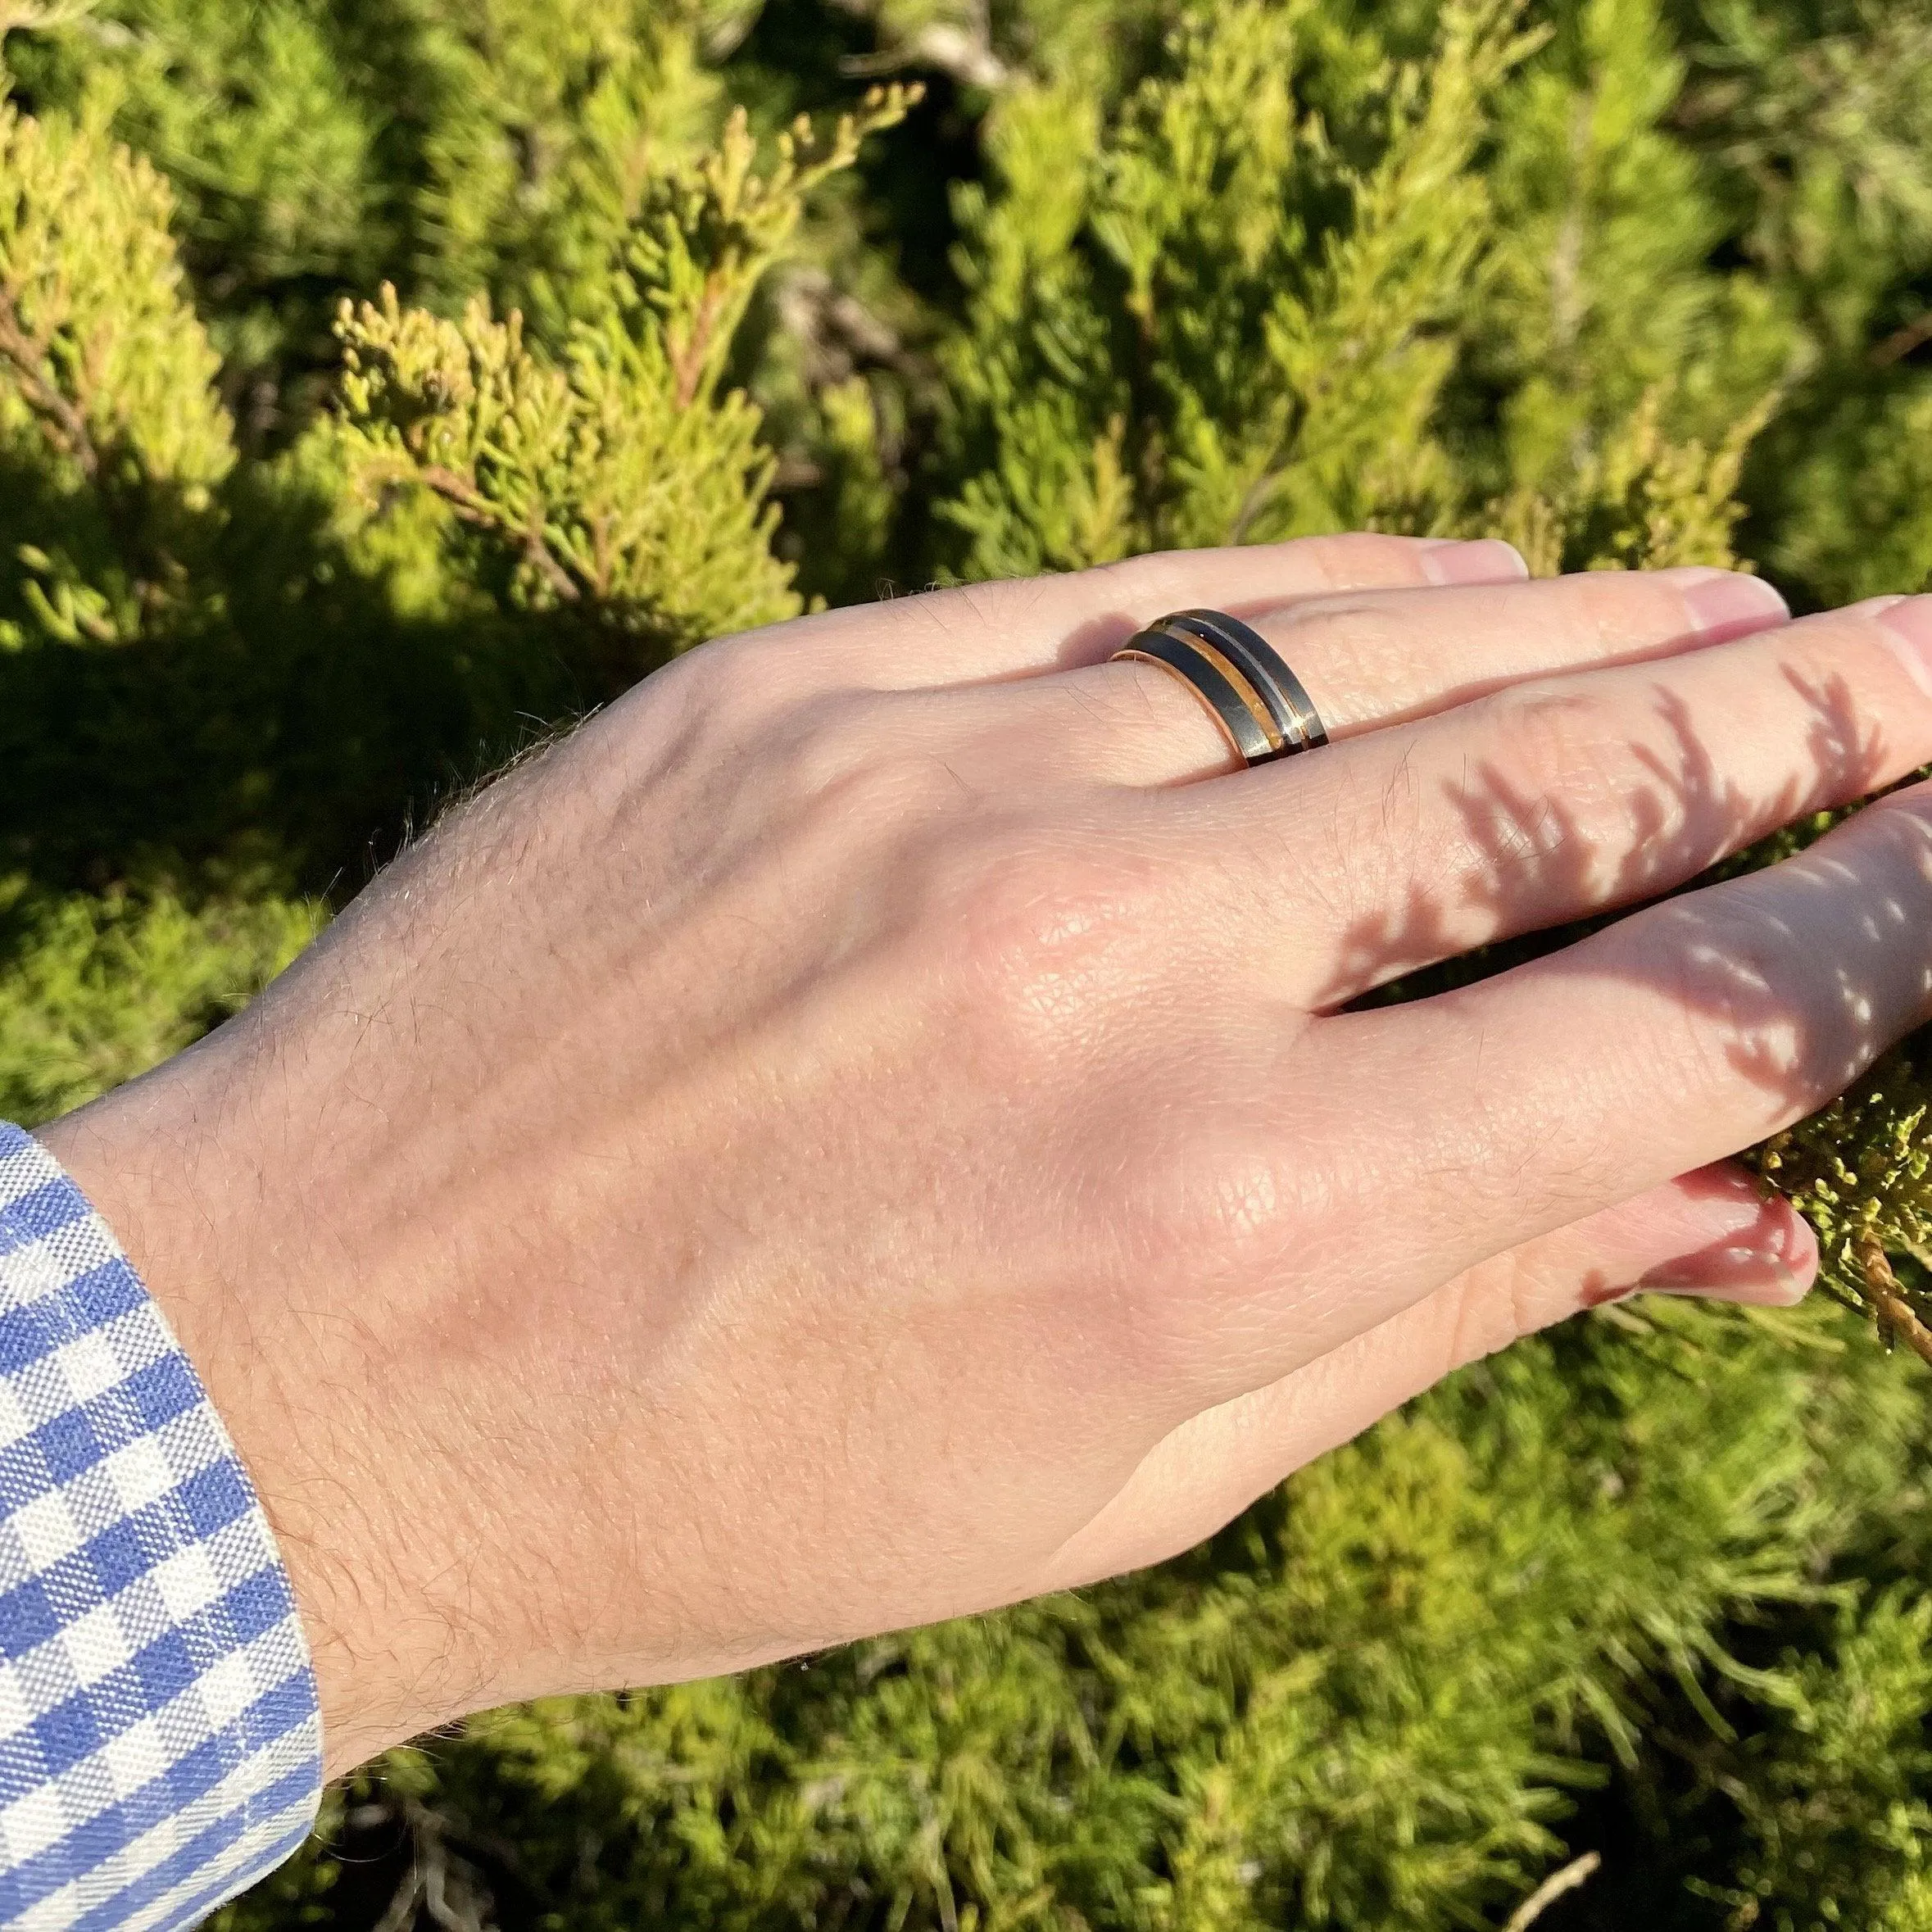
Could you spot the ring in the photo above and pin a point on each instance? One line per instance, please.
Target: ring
(1214, 679)
(1263, 709)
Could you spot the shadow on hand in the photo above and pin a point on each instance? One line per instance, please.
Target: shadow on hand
(1800, 1022)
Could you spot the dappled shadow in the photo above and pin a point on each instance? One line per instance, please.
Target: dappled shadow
(1799, 1019)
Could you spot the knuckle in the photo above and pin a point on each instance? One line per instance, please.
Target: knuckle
(1040, 929)
(1302, 566)
(1120, 596)
(862, 755)
(1214, 1197)
(696, 701)
(735, 686)
(1556, 778)
(1137, 579)
(1503, 1142)
(996, 608)
(1748, 1023)
(1606, 605)
(720, 671)
(1903, 822)
(1352, 556)
(721, 707)
(1553, 740)
(1165, 579)
(1846, 745)
(1363, 830)
(1373, 646)
(1482, 1312)
(1355, 560)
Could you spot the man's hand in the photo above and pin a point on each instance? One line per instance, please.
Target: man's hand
(868, 1128)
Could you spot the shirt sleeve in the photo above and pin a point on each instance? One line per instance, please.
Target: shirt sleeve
(159, 1734)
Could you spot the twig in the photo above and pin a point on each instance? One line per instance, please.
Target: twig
(1902, 341)
(1894, 1311)
(402, 1910)
(462, 496)
(37, 16)
(688, 364)
(1553, 1888)
(536, 553)
(439, 1882)
(41, 395)
(962, 54)
(473, 507)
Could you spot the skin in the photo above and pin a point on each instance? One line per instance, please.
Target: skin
(866, 1129)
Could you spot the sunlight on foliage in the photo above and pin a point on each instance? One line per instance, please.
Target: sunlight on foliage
(383, 383)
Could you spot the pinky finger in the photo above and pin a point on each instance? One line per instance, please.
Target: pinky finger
(1712, 1234)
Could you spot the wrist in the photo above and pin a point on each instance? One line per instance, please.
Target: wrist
(227, 1255)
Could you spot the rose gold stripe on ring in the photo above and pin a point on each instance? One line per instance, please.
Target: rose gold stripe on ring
(1213, 678)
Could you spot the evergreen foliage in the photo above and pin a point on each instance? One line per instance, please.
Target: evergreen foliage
(382, 380)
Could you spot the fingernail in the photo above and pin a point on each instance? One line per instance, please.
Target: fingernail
(1600, 1294)
(1490, 560)
(1910, 622)
(1724, 603)
(1744, 1274)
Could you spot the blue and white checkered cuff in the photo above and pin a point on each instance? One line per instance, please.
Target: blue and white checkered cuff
(160, 1736)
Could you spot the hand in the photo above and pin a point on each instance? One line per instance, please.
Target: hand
(866, 1129)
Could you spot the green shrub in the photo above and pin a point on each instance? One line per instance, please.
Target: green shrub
(383, 380)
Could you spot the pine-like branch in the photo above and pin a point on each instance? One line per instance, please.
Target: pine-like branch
(27, 358)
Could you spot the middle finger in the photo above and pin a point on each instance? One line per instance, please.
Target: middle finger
(1543, 803)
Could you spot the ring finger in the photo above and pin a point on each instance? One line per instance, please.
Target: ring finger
(1370, 659)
